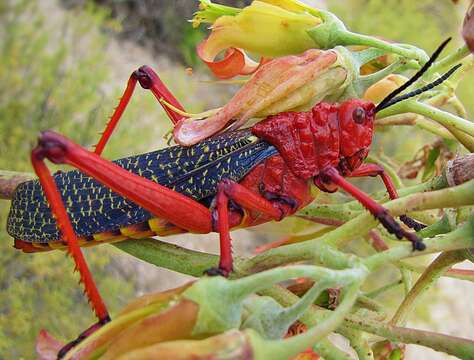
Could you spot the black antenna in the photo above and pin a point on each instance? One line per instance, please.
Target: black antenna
(422, 89)
(393, 94)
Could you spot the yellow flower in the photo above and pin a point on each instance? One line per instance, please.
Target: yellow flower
(269, 28)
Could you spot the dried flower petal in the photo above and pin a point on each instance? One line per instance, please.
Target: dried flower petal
(231, 345)
(280, 81)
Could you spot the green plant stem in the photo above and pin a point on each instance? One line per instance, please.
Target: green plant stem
(358, 342)
(388, 169)
(461, 195)
(291, 346)
(259, 281)
(407, 280)
(453, 123)
(442, 226)
(462, 348)
(460, 274)
(324, 347)
(461, 238)
(328, 351)
(382, 289)
(371, 304)
(436, 269)
(293, 312)
(449, 61)
(169, 256)
(353, 208)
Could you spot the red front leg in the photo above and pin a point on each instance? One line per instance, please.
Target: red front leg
(230, 190)
(148, 79)
(378, 170)
(331, 176)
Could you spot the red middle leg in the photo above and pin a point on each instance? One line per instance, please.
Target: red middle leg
(148, 79)
(248, 200)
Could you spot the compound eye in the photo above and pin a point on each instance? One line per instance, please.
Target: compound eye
(358, 115)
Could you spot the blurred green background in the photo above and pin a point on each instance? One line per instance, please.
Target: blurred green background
(63, 65)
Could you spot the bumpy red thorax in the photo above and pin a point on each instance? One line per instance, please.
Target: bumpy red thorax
(307, 141)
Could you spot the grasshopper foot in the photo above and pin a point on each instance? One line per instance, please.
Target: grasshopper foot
(217, 271)
(86, 333)
(411, 223)
(394, 228)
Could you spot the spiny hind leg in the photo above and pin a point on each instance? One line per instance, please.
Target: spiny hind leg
(159, 200)
(149, 80)
(53, 196)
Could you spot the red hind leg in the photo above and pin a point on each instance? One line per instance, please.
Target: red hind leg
(161, 201)
(148, 79)
(57, 207)
(378, 170)
(164, 203)
(230, 190)
(332, 176)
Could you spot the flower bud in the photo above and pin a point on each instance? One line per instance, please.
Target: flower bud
(387, 350)
(274, 28)
(468, 27)
(47, 347)
(231, 345)
(378, 91)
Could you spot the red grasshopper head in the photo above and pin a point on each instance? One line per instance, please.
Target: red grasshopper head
(356, 127)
